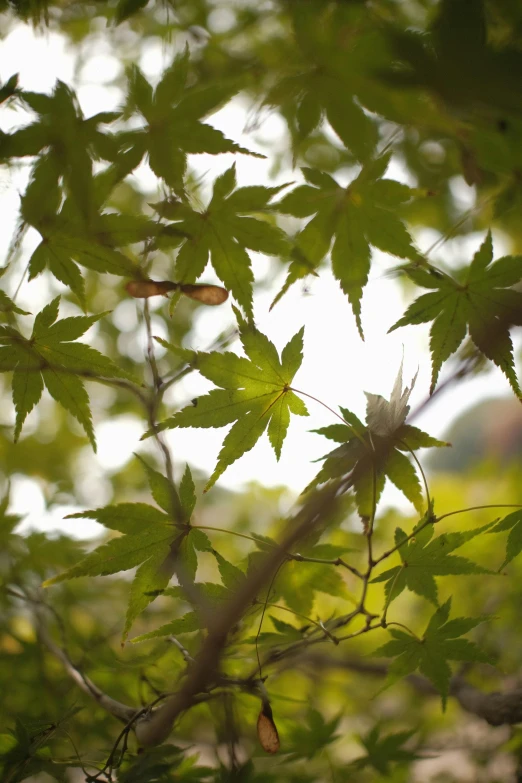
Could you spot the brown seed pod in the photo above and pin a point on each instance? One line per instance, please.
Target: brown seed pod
(207, 294)
(267, 730)
(142, 289)
(201, 292)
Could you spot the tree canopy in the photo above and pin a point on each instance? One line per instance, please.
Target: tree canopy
(211, 634)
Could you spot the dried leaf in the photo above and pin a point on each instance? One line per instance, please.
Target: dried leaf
(383, 417)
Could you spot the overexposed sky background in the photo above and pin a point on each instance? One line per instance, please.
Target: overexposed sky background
(338, 367)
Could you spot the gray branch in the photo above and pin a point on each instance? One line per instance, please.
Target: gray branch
(121, 711)
(496, 708)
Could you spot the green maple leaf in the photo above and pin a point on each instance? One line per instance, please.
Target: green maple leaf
(212, 595)
(9, 88)
(312, 735)
(126, 8)
(8, 522)
(355, 218)
(68, 140)
(440, 644)
(383, 751)
(457, 62)
(70, 238)
(224, 231)
(325, 81)
(51, 358)
(513, 523)
(6, 303)
(254, 393)
(375, 452)
(483, 304)
(423, 558)
(149, 537)
(303, 580)
(173, 113)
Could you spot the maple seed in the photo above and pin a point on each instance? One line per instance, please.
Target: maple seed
(142, 289)
(267, 730)
(207, 294)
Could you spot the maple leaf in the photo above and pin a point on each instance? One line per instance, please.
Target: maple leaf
(325, 81)
(68, 140)
(457, 62)
(513, 523)
(224, 231)
(311, 735)
(423, 559)
(70, 238)
(212, 596)
(300, 585)
(483, 304)
(381, 751)
(374, 452)
(355, 218)
(385, 417)
(173, 113)
(255, 394)
(330, 63)
(149, 536)
(6, 303)
(9, 88)
(51, 357)
(440, 644)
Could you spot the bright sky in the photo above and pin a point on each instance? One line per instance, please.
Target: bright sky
(338, 367)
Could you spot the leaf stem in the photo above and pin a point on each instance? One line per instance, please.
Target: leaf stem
(308, 619)
(479, 508)
(337, 562)
(232, 533)
(152, 410)
(360, 632)
(421, 471)
(389, 599)
(401, 625)
(263, 616)
(429, 521)
(315, 399)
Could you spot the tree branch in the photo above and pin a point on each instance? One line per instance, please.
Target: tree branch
(496, 708)
(121, 711)
(203, 670)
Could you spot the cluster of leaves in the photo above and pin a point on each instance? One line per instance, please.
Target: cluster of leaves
(442, 642)
(374, 453)
(51, 357)
(480, 301)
